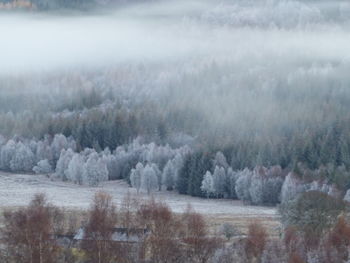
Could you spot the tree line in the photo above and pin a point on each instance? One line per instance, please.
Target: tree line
(49, 5)
(150, 167)
(297, 124)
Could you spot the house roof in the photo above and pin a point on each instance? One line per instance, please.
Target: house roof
(132, 235)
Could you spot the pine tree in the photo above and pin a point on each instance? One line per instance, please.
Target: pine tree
(184, 175)
(219, 181)
(291, 188)
(220, 160)
(231, 178)
(168, 176)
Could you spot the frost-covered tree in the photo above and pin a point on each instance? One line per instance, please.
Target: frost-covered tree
(163, 155)
(62, 164)
(178, 163)
(7, 152)
(256, 189)
(44, 151)
(347, 196)
(59, 143)
(76, 169)
(158, 174)
(33, 145)
(116, 163)
(135, 176)
(112, 164)
(220, 160)
(168, 177)
(243, 184)
(231, 183)
(149, 179)
(95, 170)
(272, 190)
(23, 159)
(219, 180)
(265, 186)
(43, 167)
(208, 184)
(291, 187)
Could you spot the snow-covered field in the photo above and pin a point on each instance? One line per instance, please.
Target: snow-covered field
(18, 189)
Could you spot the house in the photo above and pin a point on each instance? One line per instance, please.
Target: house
(120, 234)
(129, 242)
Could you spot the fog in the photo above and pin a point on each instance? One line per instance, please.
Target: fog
(215, 98)
(238, 67)
(242, 32)
(266, 82)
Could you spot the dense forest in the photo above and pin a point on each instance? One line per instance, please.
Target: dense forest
(214, 116)
(223, 99)
(48, 5)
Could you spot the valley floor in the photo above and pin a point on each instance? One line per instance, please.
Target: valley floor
(18, 189)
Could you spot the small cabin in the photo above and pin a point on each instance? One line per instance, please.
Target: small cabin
(120, 234)
(128, 241)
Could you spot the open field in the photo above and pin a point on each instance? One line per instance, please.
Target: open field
(17, 189)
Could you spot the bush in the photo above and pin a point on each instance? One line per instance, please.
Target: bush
(312, 213)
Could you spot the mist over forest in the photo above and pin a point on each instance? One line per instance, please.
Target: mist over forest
(224, 99)
(261, 84)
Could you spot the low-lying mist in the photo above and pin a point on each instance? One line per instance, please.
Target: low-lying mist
(242, 32)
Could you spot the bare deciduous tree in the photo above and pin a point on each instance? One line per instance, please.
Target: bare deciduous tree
(199, 245)
(256, 240)
(28, 233)
(97, 241)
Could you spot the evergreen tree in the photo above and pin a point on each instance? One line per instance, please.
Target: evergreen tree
(219, 181)
(184, 174)
(169, 174)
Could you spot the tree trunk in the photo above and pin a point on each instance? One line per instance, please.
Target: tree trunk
(40, 249)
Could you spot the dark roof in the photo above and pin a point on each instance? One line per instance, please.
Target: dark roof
(120, 234)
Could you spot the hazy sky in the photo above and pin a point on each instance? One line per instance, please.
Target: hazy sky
(244, 32)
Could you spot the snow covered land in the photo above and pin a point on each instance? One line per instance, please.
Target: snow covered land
(18, 189)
